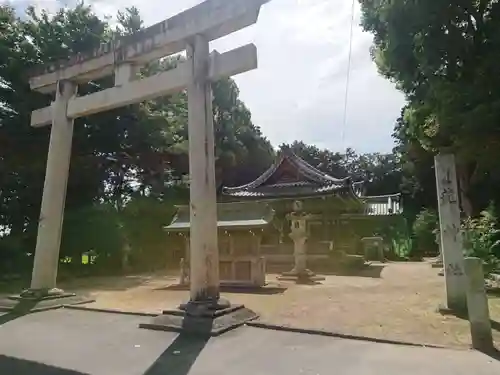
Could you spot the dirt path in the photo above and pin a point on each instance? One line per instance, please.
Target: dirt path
(399, 304)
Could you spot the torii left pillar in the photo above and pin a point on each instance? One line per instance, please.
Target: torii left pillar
(43, 293)
(48, 241)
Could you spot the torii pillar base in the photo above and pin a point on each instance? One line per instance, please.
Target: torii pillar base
(40, 300)
(205, 318)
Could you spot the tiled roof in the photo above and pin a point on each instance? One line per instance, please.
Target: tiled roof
(290, 191)
(309, 181)
(292, 177)
(237, 215)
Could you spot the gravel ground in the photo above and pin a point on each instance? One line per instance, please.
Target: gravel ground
(398, 303)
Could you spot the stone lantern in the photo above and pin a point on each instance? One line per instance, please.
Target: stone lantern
(298, 233)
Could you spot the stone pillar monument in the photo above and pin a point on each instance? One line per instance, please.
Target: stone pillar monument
(298, 233)
(477, 305)
(449, 229)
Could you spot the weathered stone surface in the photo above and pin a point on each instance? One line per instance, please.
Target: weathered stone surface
(298, 234)
(233, 62)
(477, 305)
(46, 260)
(211, 18)
(449, 229)
(202, 321)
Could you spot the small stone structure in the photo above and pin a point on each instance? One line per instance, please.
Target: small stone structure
(477, 305)
(376, 243)
(298, 233)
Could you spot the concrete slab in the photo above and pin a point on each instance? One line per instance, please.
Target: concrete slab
(69, 342)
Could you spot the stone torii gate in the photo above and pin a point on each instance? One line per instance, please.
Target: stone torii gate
(191, 30)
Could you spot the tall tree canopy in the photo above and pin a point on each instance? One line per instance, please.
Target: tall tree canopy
(443, 56)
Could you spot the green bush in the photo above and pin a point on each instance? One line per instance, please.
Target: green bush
(481, 238)
(402, 247)
(399, 245)
(424, 232)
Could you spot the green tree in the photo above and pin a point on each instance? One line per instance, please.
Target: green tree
(443, 56)
(424, 231)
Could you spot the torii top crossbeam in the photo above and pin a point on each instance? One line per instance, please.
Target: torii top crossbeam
(212, 18)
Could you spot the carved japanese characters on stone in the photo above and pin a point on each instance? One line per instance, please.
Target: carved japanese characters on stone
(454, 269)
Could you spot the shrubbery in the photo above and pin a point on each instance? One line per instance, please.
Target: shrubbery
(481, 238)
(424, 229)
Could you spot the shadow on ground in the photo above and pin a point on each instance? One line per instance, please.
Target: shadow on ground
(464, 316)
(7, 317)
(495, 325)
(494, 354)
(17, 366)
(15, 309)
(373, 271)
(107, 283)
(493, 291)
(266, 290)
(181, 355)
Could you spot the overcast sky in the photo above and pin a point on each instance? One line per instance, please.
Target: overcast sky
(299, 88)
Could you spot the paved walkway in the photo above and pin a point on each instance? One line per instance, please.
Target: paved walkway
(71, 342)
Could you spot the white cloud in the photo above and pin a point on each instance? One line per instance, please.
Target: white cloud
(298, 90)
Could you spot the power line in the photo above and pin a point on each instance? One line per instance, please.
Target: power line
(344, 122)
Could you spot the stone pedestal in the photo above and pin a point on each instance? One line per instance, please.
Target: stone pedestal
(208, 318)
(298, 234)
(42, 299)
